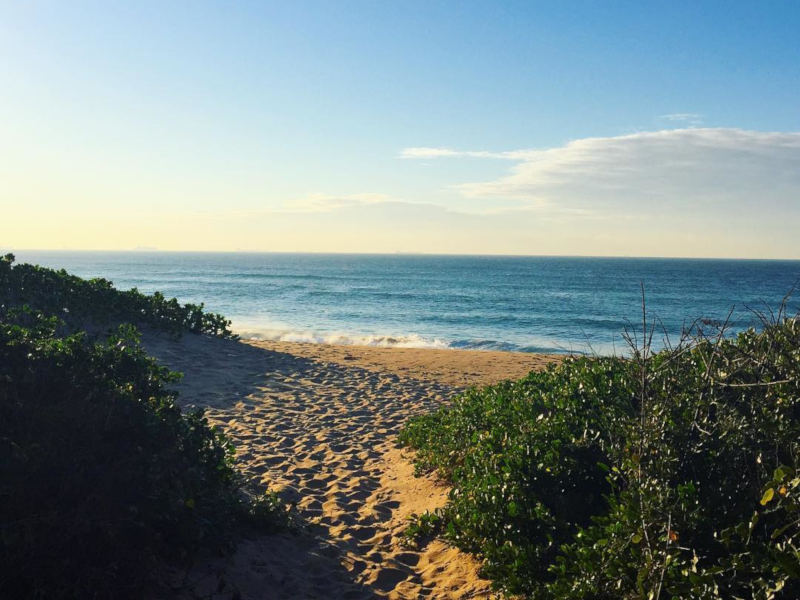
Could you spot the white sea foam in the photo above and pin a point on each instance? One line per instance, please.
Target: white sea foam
(279, 334)
(341, 339)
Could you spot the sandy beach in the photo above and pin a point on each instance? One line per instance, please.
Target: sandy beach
(317, 423)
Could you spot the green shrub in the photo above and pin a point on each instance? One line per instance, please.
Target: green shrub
(646, 477)
(81, 303)
(523, 459)
(102, 476)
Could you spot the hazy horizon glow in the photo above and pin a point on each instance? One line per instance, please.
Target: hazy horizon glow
(454, 128)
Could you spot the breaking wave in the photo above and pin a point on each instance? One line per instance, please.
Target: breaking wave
(343, 339)
(396, 341)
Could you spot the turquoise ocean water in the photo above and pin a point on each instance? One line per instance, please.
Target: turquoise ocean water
(536, 304)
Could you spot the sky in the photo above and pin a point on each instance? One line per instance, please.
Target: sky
(567, 128)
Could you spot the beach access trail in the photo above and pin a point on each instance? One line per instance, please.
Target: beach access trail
(318, 424)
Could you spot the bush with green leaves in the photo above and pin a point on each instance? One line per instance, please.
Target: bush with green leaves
(667, 475)
(103, 479)
(523, 460)
(102, 475)
(94, 302)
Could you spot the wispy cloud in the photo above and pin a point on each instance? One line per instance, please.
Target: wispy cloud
(424, 152)
(690, 119)
(692, 170)
(318, 202)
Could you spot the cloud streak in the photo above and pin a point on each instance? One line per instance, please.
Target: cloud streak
(692, 119)
(423, 152)
(314, 203)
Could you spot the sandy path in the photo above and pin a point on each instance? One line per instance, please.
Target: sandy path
(321, 432)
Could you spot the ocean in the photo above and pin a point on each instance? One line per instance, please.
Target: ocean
(512, 303)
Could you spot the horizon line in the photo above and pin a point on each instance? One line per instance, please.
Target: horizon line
(396, 253)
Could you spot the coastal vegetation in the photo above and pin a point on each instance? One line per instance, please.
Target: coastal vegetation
(660, 475)
(92, 303)
(670, 474)
(104, 478)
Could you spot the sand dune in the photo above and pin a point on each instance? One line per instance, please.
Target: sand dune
(317, 424)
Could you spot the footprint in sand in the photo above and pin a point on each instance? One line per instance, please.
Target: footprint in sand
(320, 433)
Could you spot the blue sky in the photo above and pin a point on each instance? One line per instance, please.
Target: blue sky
(323, 126)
